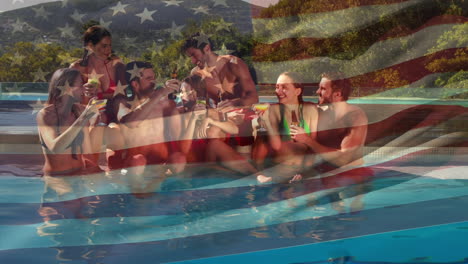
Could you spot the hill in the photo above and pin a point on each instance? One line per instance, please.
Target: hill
(136, 23)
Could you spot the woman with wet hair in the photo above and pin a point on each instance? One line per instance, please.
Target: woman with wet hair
(100, 63)
(64, 126)
(103, 72)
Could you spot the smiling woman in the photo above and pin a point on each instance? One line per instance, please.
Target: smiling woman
(291, 112)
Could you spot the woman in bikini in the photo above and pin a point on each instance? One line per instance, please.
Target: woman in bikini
(291, 157)
(204, 136)
(64, 126)
(106, 72)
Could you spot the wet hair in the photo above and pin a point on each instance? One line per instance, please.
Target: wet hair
(197, 84)
(93, 35)
(298, 82)
(192, 42)
(59, 79)
(128, 76)
(339, 83)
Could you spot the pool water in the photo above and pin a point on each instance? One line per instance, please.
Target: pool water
(392, 216)
(406, 206)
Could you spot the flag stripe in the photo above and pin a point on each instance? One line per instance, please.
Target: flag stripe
(129, 230)
(324, 25)
(318, 6)
(304, 47)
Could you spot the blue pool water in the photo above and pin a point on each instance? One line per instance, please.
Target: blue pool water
(411, 209)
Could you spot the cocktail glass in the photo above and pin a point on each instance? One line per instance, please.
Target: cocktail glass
(260, 109)
(102, 108)
(92, 82)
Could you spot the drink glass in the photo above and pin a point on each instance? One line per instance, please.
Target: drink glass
(94, 83)
(260, 110)
(201, 101)
(102, 108)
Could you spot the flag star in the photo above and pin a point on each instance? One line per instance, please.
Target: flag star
(66, 31)
(17, 59)
(39, 75)
(173, 2)
(36, 106)
(104, 23)
(155, 49)
(201, 9)
(94, 75)
(202, 38)
(227, 84)
(120, 89)
(15, 90)
(220, 2)
(135, 72)
(77, 16)
(65, 90)
(17, 26)
(223, 25)
(41, 12)
(175, 30)
(224, 51)
(146, 15)
(119, 8)
(206, 71)
(130, 42)
(64, 3)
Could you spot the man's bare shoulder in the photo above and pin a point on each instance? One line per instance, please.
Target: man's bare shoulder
(356, 115)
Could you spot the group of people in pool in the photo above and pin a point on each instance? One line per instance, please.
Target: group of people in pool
(100, 101)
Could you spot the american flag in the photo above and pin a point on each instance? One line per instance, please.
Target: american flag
(410, 211)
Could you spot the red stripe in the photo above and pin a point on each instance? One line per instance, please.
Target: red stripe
(402, 30)
(308, 48)
(398, 75)
(295, 7)
(449, 60)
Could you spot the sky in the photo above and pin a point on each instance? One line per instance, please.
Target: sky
(6, 5)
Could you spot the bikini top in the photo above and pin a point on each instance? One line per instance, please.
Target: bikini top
(77, 141)
(284, 125)
(112, 83)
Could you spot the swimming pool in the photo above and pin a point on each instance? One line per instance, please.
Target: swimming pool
(409, 210)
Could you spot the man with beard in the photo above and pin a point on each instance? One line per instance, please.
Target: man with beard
(342, 127)
(150, 122)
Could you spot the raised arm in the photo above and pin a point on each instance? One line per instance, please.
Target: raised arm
(132, 118)
(47, 128)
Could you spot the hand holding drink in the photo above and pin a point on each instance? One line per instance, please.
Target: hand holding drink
(91, 87)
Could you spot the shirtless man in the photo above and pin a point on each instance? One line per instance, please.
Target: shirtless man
(227, 77)
(229, 87)
(342, 127)
(149, 123)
